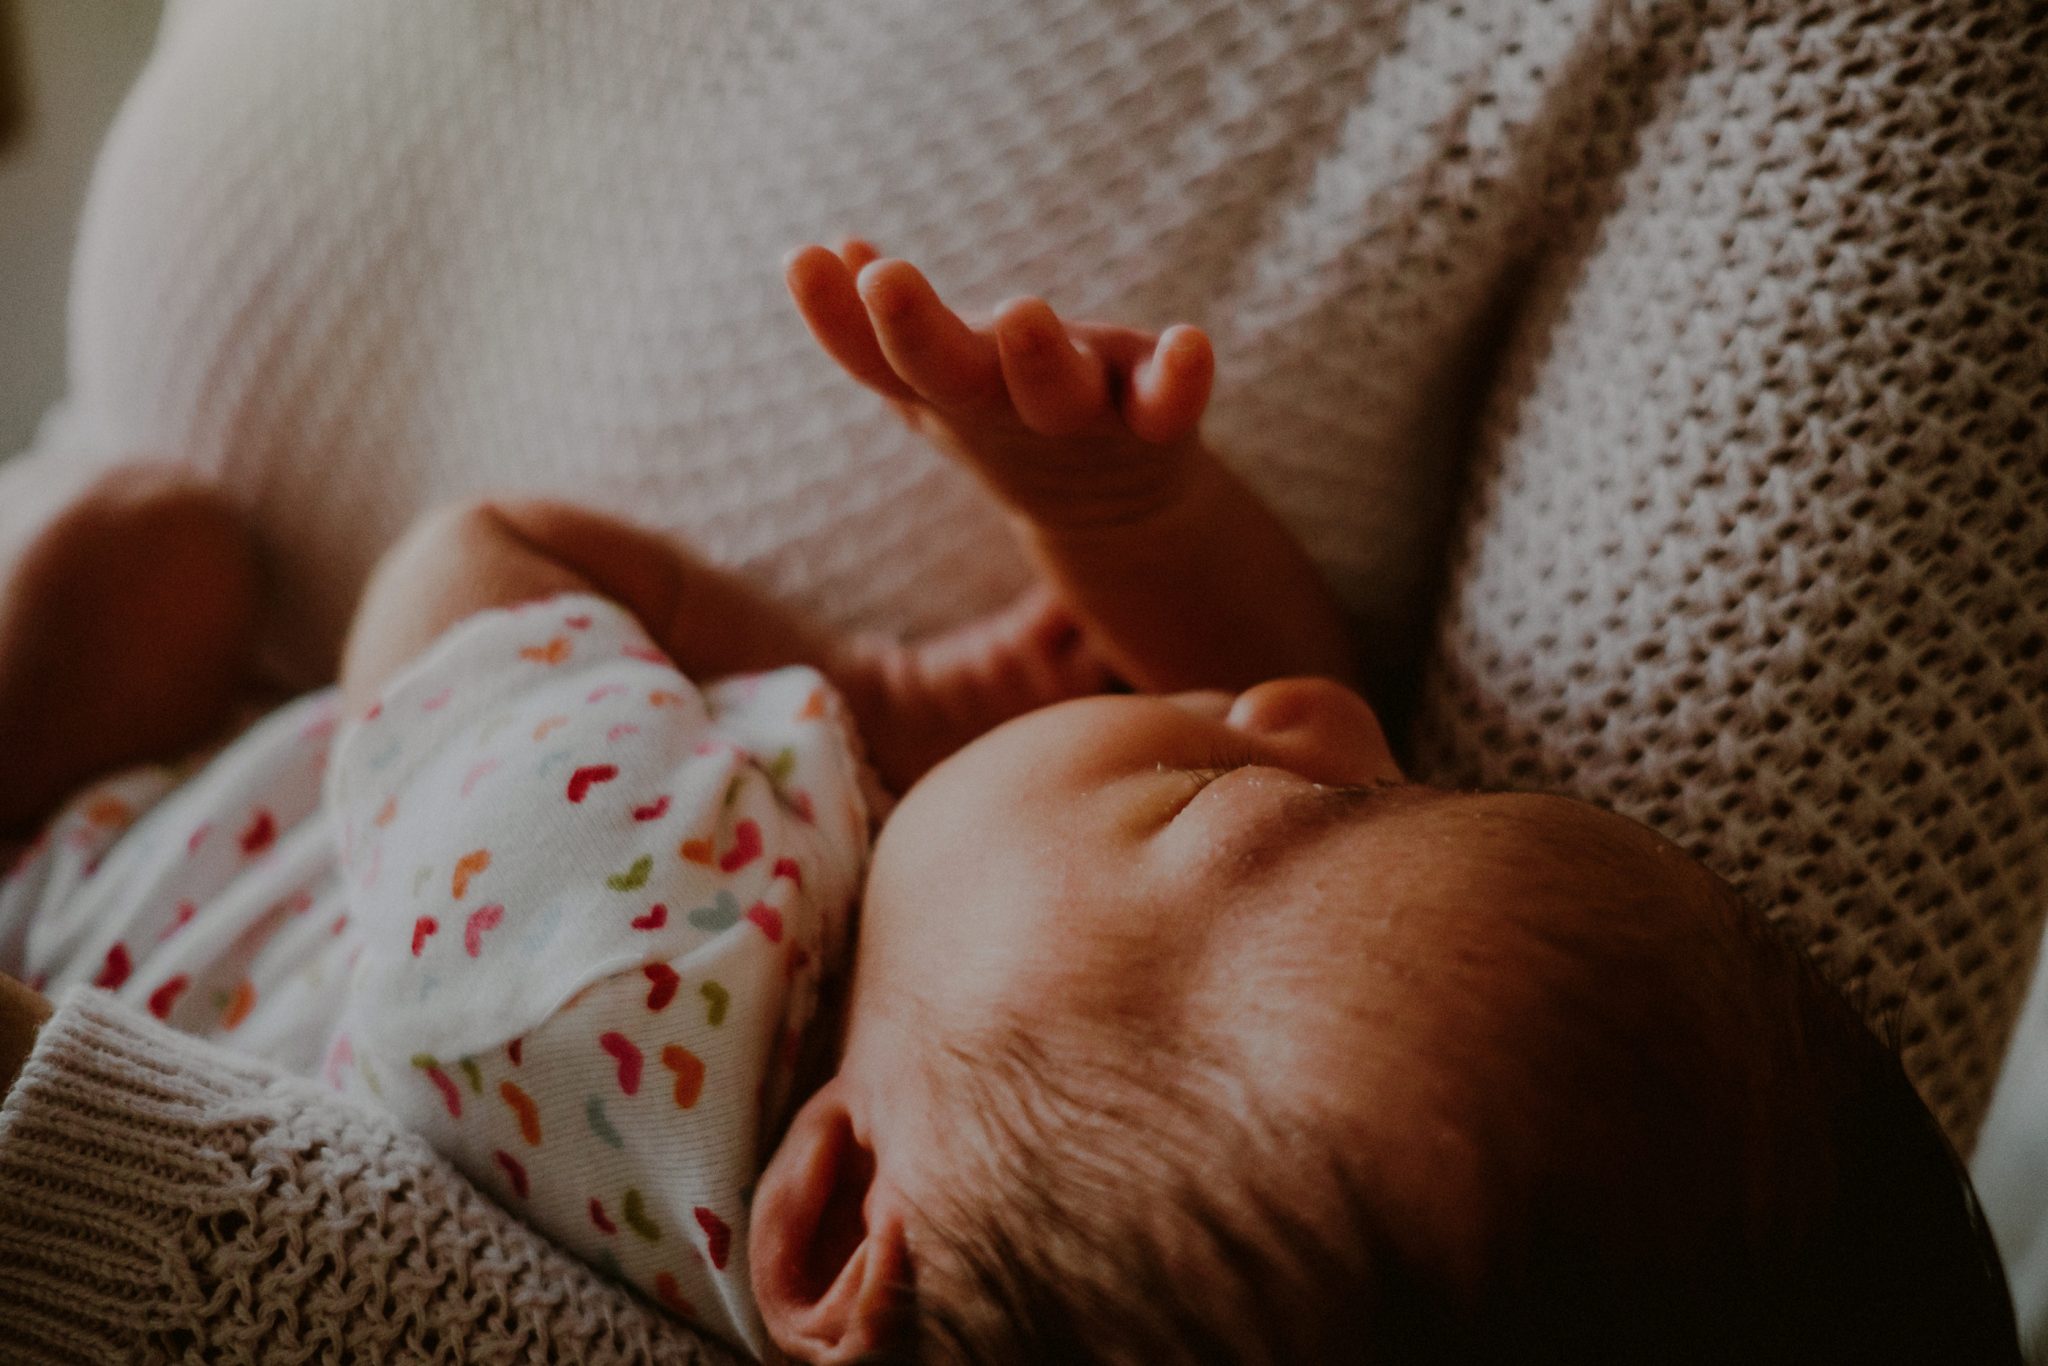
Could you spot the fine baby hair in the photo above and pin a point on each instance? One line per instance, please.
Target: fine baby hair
(1716, 1163)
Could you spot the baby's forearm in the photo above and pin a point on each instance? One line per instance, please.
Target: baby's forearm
(1205, 589)
(501, 552)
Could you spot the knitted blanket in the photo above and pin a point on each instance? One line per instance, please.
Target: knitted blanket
(1708, 337)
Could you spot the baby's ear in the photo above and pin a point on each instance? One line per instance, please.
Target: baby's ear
(829, 1255)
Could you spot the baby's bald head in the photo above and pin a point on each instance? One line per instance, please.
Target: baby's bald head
(1591, 1110)
(1184, 1029)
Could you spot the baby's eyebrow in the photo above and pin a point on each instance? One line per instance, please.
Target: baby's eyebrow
(1313, 810)
(1349, 797)
(1335, 803)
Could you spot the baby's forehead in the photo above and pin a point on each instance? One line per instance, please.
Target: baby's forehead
(1352, 849)
(1539, 845)
(1414, 899)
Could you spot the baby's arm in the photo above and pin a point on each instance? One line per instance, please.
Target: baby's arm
(500, 552)
(1087, 435)
(913, 704)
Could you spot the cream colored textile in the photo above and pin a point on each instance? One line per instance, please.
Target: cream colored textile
(1727, 318)
(159, 1202)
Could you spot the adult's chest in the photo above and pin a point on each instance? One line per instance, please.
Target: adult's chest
(362, 257)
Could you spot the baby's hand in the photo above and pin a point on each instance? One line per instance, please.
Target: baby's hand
(1070, 426)
(128, 602)
(1179, 575)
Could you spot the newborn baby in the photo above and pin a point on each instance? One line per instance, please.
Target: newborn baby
(1177, 1026)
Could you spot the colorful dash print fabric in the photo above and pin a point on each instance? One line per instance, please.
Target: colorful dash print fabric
(205, 893)
(591, 905)
(580, 918)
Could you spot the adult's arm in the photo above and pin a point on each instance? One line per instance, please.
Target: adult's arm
(1757, 550)
(162, 1198)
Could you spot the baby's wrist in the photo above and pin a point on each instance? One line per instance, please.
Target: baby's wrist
(1206, 590)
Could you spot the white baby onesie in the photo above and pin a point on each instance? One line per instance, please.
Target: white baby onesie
(592, 906)
(581, 918)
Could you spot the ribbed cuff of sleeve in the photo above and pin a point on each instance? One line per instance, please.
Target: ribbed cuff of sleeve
(113, 1136)
(162, 1199)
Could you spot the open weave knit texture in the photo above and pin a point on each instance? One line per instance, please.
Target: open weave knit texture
(1757, 542)
(157, 1206)
(1708, 335)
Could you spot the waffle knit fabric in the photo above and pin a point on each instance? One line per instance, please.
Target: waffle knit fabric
(1669, 377)
(161, 1203)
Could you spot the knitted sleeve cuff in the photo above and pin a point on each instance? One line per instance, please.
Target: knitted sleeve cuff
(103, 1151)
(161, 1197)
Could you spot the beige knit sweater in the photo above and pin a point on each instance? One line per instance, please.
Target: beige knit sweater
(162, 1202)
(1707, 335)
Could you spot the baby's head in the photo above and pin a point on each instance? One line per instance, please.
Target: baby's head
(1185, 1030)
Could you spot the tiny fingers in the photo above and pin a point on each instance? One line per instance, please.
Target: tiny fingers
(881, 320)
(1170, 388)
(1072, 667)
(1057, 387)
(858, 253)
(822, 285)
(947, 362)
